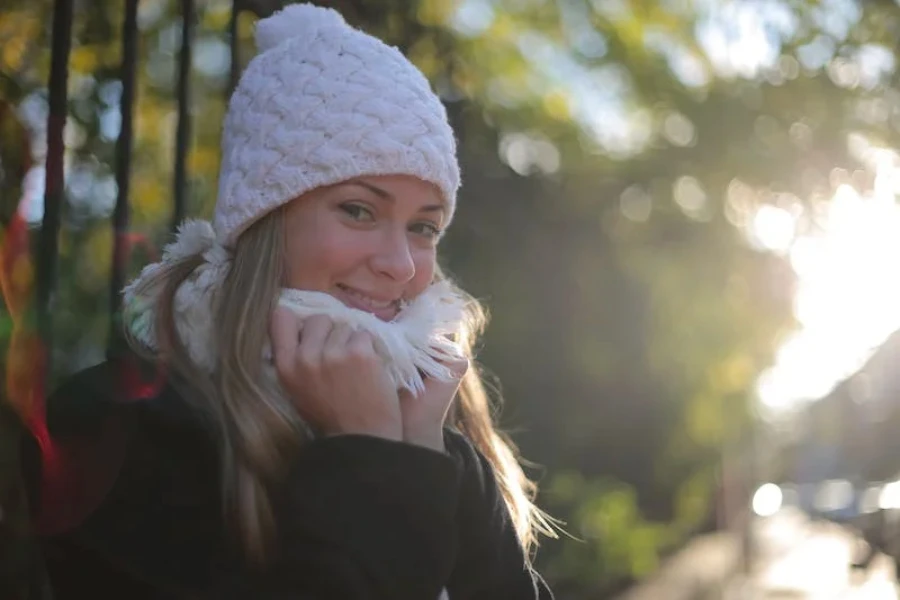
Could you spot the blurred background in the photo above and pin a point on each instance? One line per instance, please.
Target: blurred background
(682, 214)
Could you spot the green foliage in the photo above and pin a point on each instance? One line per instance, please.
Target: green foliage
(611, 539)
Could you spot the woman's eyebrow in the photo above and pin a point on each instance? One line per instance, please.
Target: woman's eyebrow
(386, 195)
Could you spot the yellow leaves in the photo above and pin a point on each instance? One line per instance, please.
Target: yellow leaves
(12, 53)
(150, 197)
(84, 59)
(435, 13)
(246, 24)
(18, 29)
(102, 54)
(91, 58)
(662, 18)
(97, 257)
(216, 16)
(152, 121)
(424, 55)
(203, 161)
(502, 28)
(556, 105)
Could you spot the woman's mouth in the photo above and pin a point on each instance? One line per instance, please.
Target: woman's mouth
(384, 309)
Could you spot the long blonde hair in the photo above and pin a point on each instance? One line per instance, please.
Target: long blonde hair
(258, 432)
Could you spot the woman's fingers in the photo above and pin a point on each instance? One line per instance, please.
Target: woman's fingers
(335, 345)
(458, 367)
(361, 345)
(312, 341)
(334, 376)
(297, 344)
(284, 333)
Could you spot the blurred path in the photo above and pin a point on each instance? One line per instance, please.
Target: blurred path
(698, 571)
(796, 559)
(800, 559)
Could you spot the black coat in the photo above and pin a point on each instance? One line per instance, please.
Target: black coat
(358, 517)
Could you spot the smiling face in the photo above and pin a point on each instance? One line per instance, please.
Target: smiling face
(370, 242)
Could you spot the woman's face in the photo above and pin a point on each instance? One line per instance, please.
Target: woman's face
(370, 242)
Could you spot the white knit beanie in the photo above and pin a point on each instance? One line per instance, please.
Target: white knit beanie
(321, 103)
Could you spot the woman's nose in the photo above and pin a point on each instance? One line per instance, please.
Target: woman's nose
(393, 257)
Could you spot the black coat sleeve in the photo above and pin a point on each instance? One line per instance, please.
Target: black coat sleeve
(491, 562)
(360, 518)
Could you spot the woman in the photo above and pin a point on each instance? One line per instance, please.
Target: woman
(282, 459)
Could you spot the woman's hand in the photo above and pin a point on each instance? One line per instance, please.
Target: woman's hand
(424, 415)
(337, 381)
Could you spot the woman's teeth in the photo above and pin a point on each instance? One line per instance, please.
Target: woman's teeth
(368, 301)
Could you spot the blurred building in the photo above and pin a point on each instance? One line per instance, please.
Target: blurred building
(853, 433)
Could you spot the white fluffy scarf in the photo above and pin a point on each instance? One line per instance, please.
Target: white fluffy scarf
(416, 342)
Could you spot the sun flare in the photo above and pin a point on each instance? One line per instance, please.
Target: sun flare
(848, 296)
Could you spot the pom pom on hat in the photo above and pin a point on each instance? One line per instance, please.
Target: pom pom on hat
(293, 21)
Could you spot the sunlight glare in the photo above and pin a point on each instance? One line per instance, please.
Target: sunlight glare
(848, 297)
(767, 500)
(773, 228)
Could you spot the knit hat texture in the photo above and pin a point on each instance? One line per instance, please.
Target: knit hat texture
(321, 103)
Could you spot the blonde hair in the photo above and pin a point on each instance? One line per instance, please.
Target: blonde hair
(258, 432)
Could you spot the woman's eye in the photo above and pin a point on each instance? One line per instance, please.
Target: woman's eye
(429, 230)
(358, 212)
